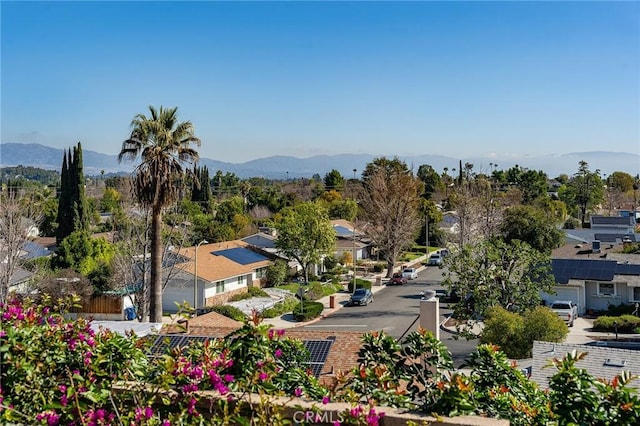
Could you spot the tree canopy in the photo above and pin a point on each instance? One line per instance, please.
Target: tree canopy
(533, 226)
(497, 273)
(390, 200)
(165, 147)
(305, 234)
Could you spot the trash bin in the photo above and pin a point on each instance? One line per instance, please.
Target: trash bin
(332, 301)
(378, 281)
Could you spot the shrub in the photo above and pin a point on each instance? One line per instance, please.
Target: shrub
(625, 324)
(571, 223)
(277, 273)
(307, 310)
(378, 267)
(317, 290)
(621, 309)
(544, 325)
(228, 311)
(330, 262)
(360, 283)
(284, 306)
(514, 334)
(251, 292)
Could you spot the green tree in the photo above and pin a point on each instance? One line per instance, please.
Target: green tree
(583, 191)
(277, 273)
(333, 181)
(621, 180)
(110, 201)
(165, 147)
(88, 256)
(201, 187)
(531, 225)
(497, 273)
(73, 213)
(305, 234)
(390, 201)
(430, 178)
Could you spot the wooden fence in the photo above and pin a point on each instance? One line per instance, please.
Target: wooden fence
(103, 305)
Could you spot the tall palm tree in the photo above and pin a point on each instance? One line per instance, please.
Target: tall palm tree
(164, 146)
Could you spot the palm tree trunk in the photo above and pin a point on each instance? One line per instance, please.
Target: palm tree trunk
(155, 308)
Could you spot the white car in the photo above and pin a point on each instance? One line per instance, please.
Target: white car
(410, 273)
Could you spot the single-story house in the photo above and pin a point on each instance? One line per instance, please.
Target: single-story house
(601, 362)
(350, 239)
(223, 269)
(595, 283)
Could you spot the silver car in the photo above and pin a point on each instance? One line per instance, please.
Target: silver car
(435, 259)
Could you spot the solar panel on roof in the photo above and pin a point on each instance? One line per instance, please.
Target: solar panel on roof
(318, 350)
(164, 343)
(241, 255)
(343, 231)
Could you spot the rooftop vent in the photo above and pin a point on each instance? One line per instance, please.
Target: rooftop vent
(615, 362)
(595, 246)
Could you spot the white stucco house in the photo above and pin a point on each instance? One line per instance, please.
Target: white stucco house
(223, 269)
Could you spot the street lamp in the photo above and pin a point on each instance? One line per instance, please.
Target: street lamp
(355, 253)
(195, 277)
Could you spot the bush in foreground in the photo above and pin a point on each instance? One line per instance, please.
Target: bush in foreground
(59, 372)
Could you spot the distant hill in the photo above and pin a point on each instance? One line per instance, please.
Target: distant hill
(282, 167)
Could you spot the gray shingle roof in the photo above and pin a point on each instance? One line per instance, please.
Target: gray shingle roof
(600, 362)
(612, 220)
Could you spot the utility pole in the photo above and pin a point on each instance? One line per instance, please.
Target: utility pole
(195, 278)
(426, 233)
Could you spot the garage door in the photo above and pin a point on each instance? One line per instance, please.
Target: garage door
(566, 293)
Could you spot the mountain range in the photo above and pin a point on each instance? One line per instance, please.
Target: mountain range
(286, 167)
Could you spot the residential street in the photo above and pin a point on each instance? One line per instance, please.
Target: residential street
(395, 310)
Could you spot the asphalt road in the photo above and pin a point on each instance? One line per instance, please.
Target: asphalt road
(395, 310)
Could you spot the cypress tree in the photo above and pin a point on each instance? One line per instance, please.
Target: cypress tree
(64, 207)
(80, 209)
(72, 205)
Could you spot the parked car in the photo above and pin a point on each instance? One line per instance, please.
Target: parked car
(398, 278)
(442, 294)
(435, 260)
(361, 296)
(566, 310)
(443, 252)
(410, 273)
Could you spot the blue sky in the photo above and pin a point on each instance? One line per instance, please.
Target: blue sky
(305, 78)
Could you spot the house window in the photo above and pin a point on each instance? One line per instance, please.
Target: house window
(260, 273)
(241, 280)
(636, 294)
(219, 287)
(606, 289)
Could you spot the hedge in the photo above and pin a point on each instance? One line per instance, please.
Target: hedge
(359, 284)
(625, 323)
(228, 311)
(307, 310)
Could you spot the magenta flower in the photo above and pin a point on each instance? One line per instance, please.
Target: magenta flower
(278, 353)
(280, 333)
(297, 392)
(228, 378)
(263, 376)
(325, 400)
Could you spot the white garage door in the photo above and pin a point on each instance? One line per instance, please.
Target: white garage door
(564, 293)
